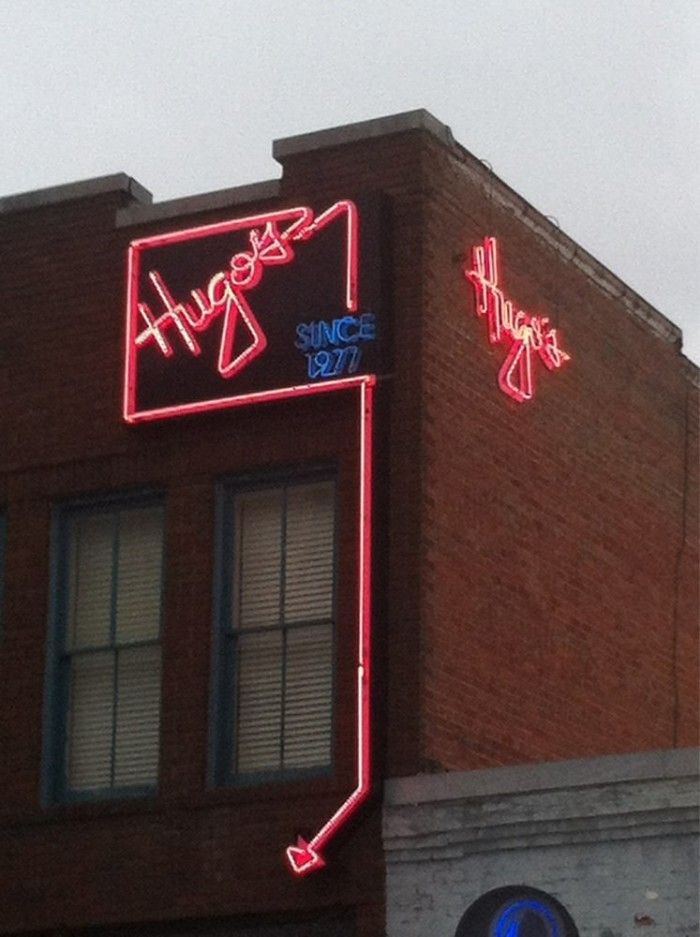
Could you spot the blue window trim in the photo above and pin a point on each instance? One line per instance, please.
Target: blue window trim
(54, 790)
(221, 716)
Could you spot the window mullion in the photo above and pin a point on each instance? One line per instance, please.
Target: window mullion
(233, 626)
(113, 643)
(123, 645)
(114, 585)
(281, 621)
(72, 596)
(65, 642)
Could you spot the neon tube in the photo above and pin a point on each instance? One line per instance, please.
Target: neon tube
(305, 857)
(511, 917)
(523, 332)
(224, 295)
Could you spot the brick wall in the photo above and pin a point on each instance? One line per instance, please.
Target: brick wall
(559, 592)
(190, 852)
(534, 577)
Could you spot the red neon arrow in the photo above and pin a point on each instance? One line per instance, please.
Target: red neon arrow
(305, 857)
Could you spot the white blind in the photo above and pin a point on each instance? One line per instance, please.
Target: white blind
(137, 716)
(90, 579)
(89, 729)
(259, 700)
(258, 520)
(114, 602)
(308, 587)
(139, 574)
(282, 615)
(308, 697)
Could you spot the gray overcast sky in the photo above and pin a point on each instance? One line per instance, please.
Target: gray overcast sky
(588, 108)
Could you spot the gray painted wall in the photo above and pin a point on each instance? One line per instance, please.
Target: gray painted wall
(615, 839)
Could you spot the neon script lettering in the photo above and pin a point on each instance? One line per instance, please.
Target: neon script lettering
(224, 294)
(525, 333)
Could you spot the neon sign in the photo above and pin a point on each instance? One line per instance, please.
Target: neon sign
(225, 294)
(333, 348)
(214, 312)
(304, 856)
(177, 297)
(516, 919)
(522, 332)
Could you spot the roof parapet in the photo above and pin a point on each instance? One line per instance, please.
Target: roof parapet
(542, 226)
(143, 210)
(364, 130)
(501, 192)
(194, 204)
(72, 191)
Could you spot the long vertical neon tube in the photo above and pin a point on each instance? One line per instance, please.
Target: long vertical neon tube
(305, 857)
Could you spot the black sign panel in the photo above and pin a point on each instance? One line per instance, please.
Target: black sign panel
(252, 309)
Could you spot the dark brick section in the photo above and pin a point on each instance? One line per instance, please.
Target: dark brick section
(191, 852)
(535, 593)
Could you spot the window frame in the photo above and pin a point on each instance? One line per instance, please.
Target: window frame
(54, 782)
(222, 717)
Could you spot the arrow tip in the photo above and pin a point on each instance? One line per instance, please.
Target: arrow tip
(303, 858)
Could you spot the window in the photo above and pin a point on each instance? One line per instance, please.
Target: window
(104, 667)
(276, 630)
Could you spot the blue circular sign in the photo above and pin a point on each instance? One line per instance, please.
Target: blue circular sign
(525, 917)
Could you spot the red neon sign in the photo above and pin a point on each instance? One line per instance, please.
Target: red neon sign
(182, 328)
(170, 322)
(523, 332)
(305, 856)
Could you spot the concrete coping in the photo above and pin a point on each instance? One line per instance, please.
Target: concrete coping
(193, 204)
(518, 779)
(363, 130)
(72, 191)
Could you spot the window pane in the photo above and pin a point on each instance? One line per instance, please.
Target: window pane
(308, 592)
(90, 721)
(258, 522)
(283, 569)
(308, 697)
(90, 579)
(139, 574)
(259, 723)
(138, 716)
(112, 598)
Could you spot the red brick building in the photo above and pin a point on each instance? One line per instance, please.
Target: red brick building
(179, 692)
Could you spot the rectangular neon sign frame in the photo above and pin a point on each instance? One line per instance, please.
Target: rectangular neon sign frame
(300, 224)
